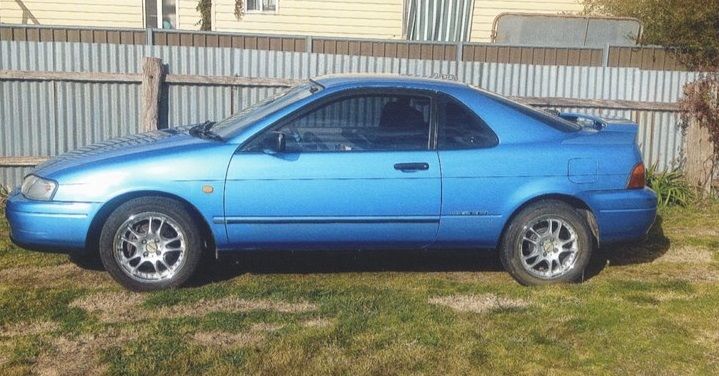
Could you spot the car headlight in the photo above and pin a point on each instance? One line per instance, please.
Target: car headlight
(37, 188)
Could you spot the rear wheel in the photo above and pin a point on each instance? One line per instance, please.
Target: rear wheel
(547, 242)
(150, 243)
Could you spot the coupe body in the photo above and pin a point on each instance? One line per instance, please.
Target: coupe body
(346, 162)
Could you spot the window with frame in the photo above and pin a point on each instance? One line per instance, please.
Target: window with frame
(269, 6)
(370, 122)
(461, 128)
(161, 14)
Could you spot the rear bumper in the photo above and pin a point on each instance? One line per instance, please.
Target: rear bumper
(623, 215)
(49, 225)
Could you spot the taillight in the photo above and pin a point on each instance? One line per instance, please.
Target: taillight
(638, 178)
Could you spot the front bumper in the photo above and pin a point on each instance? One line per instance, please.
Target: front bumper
(623, 215)
(49, 225)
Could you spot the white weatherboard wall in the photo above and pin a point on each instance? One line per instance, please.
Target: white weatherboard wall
(338, 18)
(48, 118)
(104, 13)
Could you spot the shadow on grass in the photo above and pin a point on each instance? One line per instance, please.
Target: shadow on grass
(319, 262)
(654, 246)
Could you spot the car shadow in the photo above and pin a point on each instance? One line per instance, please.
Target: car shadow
(334, 261)
(418, 260)
(652, 247)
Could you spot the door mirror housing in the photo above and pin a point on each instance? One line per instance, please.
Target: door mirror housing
(276, 142)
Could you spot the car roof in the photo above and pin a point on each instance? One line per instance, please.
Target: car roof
(386, 80)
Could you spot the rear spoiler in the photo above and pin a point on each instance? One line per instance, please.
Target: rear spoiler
(601, 123)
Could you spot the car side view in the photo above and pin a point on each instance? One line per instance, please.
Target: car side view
(346, 162)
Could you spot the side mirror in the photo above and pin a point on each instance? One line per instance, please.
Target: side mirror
(276, 143)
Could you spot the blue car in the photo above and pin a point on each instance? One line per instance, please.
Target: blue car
(346, 162)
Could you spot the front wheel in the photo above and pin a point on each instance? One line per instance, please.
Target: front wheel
(150, 243)
(547, 242)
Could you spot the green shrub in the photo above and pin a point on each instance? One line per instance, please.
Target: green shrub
(671, 187)
(3, 196)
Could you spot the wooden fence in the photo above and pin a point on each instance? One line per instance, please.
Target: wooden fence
(649, 58)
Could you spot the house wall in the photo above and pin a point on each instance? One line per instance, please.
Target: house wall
(341, 18)
(107, 13)
(188, 17)
(485, 11)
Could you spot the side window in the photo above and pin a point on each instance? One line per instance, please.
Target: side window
(359, 123)
(460, 128)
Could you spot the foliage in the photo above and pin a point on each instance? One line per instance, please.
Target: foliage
(3, 196)
(671, 187)
(239, 9)
(700, 105)
(205, 9)
(690, 26)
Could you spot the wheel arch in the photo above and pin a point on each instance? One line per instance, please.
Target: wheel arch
(93, 234)
(575, 202)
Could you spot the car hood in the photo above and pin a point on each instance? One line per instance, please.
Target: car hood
(120, 148)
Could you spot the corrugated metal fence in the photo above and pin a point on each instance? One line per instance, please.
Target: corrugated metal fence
(49, 117)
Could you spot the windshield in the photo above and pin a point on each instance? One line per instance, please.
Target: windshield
(239, 121)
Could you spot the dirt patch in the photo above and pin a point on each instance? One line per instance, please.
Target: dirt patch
(478, 303)
(80, 355)
(53, 276)
(227, 340)
(316, 323)
(28, 329)
(124, 306)
(687, 255)
(111, 307)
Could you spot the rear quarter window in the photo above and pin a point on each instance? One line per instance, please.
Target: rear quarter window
(461, 128)
(550, 120)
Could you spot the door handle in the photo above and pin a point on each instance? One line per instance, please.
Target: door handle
(407, 167)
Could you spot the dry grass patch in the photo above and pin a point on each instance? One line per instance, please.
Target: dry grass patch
(228, 340)
(478, 303)
(115, 307)
(668, 296)
(54, 276)
(28, 329)
(80, 355)
(316, 323)
(266, 327)
(111, 307)
(232, 304)
(687, 255)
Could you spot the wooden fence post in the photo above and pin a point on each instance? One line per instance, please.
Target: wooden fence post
(700, 163)
(152, 78)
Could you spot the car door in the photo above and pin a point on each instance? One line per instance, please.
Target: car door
(357, 171)
(471, 194)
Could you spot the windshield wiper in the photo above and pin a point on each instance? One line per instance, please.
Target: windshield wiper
(204, 130)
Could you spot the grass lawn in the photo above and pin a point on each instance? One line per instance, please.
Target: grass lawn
(650, 308)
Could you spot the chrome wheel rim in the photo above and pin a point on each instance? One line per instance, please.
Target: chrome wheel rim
(150, 247)
(549, 247)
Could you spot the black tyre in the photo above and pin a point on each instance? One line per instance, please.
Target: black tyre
(150, 243)
(547, 242)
